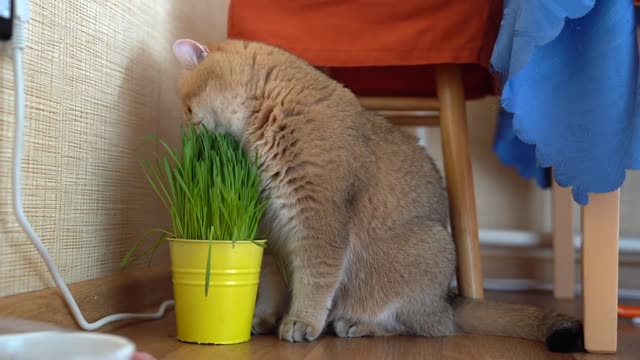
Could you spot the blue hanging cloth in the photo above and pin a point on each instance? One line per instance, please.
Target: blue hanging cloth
(514, 152)
(569, 70)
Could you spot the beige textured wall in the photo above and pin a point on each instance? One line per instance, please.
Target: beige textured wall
(100, 76)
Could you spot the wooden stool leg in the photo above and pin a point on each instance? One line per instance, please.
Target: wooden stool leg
(563, 253)
(457, 164)
(600, 226)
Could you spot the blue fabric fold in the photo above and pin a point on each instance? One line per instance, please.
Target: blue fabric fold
(514, 152)
(569, 70)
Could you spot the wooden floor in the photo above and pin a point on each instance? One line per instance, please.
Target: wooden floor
(158, 339)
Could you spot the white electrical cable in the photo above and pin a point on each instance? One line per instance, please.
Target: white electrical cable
(17, 44)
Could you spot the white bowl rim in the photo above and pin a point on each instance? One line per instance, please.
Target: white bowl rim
(119, 345)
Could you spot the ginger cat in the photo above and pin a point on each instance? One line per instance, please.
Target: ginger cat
(358, 213)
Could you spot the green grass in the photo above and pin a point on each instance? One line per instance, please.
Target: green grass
(211, 188)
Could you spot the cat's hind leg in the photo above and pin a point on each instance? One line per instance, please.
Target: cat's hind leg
(418, 318)
(346, 328)
(429, 317)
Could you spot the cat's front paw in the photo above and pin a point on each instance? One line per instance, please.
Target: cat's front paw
(295, 330)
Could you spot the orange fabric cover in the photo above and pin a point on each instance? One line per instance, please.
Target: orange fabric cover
(372, 38)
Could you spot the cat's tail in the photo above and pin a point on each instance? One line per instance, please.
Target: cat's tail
(560, 332)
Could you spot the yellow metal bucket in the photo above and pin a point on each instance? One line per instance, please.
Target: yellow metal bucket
(225, 315)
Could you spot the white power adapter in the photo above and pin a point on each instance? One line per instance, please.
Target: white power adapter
(15, 14)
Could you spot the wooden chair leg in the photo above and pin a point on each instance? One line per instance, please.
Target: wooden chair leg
(563, 252)
(600, 235)
(457, 164)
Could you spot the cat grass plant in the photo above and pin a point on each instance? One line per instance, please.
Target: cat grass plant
(212, 190)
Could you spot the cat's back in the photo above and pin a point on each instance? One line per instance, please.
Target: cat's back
(404, 181)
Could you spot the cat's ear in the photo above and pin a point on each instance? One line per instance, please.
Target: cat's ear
(189, 53)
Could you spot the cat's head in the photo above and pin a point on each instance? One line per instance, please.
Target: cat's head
(224, 81)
